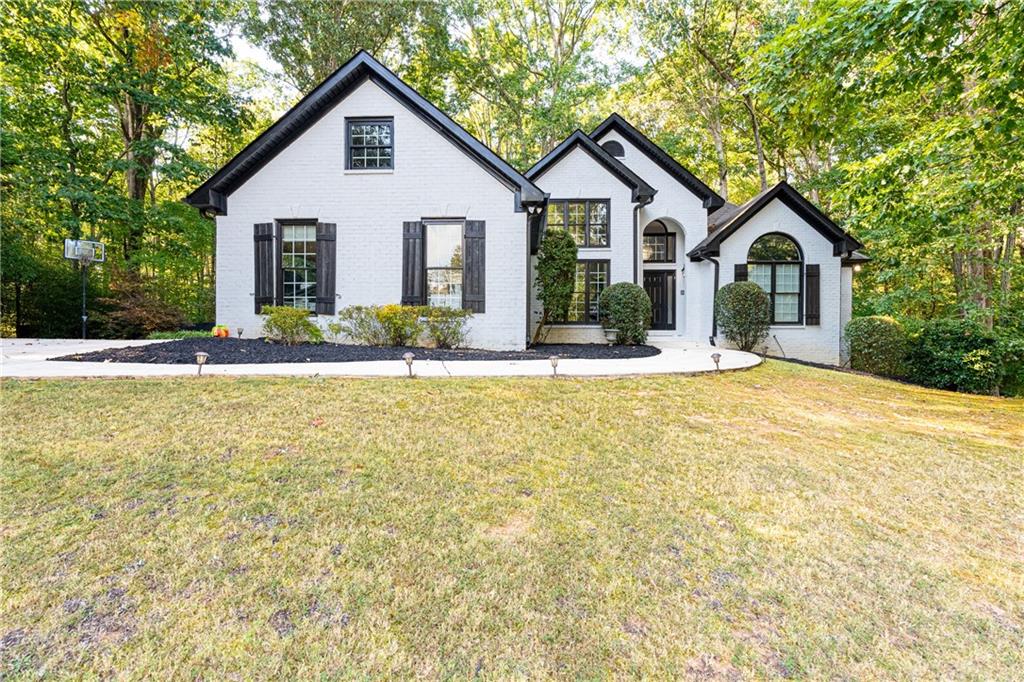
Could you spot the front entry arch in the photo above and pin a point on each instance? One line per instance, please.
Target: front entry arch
(664, 273)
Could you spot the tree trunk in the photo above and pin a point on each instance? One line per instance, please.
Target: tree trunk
(715, 128)
(758, 145)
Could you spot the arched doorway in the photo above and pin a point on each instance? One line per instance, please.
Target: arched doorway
(663, 273)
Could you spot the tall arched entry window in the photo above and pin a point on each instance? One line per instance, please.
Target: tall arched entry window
(659, 244)
(774, 262)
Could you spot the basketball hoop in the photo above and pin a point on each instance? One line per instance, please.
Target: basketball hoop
(85, 252)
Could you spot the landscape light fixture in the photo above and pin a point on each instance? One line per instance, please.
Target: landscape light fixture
(239, 331)
(408, 362)
(717, 357)
(200, 361)
(554, 365)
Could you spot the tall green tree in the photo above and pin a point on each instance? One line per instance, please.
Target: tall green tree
(923, 101)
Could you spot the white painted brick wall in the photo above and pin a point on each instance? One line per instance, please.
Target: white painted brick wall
(432, 178)
(818, 343)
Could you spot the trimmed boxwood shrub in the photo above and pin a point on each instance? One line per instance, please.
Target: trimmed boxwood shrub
(290, 326)
(626, 307)
(877, 344)
(744, 314)
(957, 355)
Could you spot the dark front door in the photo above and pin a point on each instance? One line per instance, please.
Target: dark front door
(660, 285)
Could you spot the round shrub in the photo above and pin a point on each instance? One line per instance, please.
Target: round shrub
(957, 355)
(744, 314)
(877, 344)
(401, 323)
(290, 326)
(626, 307)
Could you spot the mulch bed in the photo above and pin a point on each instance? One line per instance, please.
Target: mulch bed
(258, 351)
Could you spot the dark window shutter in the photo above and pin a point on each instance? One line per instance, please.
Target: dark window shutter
(326, 267)
(413, 273)
(740, 273)
(263, 246)
(813, 286)
(473, 274)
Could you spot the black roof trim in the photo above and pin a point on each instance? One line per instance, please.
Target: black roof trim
(710, 199)
(211, 196)
(842, 243)
(642, 192)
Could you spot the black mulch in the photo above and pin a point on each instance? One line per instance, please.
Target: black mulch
(258, 351)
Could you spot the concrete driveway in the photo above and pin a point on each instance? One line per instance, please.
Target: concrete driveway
(28, 358)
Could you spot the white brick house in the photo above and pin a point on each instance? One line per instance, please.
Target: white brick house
(365, 193)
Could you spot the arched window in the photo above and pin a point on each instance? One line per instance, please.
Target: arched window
(775, 264)
(614, 148)
(659, 244)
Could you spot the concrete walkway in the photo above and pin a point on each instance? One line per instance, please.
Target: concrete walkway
(28, 358)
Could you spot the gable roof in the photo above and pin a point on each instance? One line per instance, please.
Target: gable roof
(710, 199)
(641, 191)
(212, 194)
(725, 221)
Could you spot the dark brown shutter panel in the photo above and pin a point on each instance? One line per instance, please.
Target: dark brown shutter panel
(413, 273)
(740, 273)
(473, 270)
(326, 267)
(813, 286)
(263, 247)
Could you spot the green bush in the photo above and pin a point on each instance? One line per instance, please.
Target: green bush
(401, 324)
(385, 325)
(1012, 352)
(744, 314)
(878, 345)
(290, 326)
(626, 307)
(446, 327)
(361, 325)
(556, 277)
(180, 334)
(957, 355)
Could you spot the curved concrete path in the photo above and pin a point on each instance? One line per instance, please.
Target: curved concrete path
(28, 358)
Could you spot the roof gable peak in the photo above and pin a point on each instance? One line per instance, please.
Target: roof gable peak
(642, 192)
(616, 122)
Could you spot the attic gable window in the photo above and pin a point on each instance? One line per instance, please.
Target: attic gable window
(369, 144)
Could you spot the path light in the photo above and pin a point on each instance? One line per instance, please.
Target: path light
(201, 360)
(717, 358)
(239, 331)
(554, 365)
(408, 362)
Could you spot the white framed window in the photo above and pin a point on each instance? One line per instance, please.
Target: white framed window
(444, 263)
(298, 266)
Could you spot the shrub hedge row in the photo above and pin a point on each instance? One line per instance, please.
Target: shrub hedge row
(953, 354)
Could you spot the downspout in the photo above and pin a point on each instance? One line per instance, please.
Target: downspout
(636, 237)
(714, 312)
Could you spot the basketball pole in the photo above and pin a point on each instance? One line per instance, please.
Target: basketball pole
(85, 273)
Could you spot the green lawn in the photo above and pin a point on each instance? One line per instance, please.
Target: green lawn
(783, 521)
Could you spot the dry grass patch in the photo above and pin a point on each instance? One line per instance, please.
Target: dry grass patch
(781, 522)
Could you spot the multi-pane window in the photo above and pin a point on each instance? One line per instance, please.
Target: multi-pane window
(585, 220)
(659, 244)
(591, 279)
(298, 266)
(444, 264)
(774, 263)
(370, 144)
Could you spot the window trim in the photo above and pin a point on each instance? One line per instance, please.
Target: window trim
(586, 227)
(586, 292)
(670, 242)
(426, 223)
(279, 225)
(363, 120)
(774, 263)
